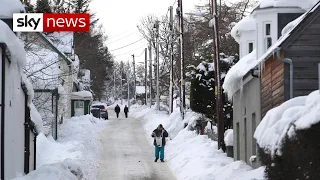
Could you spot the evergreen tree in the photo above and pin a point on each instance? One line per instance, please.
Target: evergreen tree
(80, 6)
(43, 6)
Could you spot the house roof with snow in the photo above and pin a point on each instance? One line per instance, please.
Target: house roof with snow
(234, 76)
(305, 4)
(54, 47)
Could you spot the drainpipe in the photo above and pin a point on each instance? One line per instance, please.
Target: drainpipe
(288, 61)
(3, 59)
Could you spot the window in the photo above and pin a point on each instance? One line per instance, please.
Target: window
(268, 39)
(268, 29)
(269, 42)
(250, 47)
(79, 104)
(254, 143)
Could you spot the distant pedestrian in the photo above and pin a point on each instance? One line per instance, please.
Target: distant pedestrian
(159, 142)
(126, 110)
(117, 110)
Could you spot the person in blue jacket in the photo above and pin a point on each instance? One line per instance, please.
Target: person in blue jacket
(159, 142)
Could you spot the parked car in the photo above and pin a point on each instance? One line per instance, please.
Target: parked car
(103, 110)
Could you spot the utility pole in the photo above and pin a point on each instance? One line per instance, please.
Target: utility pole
(114, 84)
(128, 82)
(134, 76)
(121, 79)
(183, 91)
(150, 73)
(171, 59)
(145, 74)
(219, 103)
(157, 60)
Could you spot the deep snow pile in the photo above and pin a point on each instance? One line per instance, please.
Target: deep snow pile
(192, 156)
(77, 148)
(296, 114)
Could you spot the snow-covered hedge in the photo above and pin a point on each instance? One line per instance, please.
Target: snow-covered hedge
(287, 139)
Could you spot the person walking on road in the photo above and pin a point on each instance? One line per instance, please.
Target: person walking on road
(117, 110)
(159, 142)
(126, 110)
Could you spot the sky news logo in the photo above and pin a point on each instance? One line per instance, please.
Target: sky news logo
(49, 22)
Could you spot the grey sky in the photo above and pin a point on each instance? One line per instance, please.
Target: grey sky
(120, 19)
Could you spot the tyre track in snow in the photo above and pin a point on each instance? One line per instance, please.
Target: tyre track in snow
(127, 155)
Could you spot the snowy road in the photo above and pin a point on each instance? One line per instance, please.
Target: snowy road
(127, 153)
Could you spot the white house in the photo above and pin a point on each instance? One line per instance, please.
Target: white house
(255, 34)
(53, 69)
(19, 120)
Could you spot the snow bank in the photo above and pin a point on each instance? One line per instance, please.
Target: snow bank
(228, 137)
(295, 114)
(246, 24)
(232, 81)
(16, 49)
(66, 170)
(192, 156)
(306, 5)
(8, 7)
(77, 150)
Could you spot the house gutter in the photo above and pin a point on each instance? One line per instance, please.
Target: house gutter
(3, 58)
(288, 61)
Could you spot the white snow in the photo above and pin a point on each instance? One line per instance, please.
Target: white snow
(77, 150)
(66, 170)
(246, 24)
(192, 156)
(16, 49)
(29, 87)
(8, 7)
(201, 67)
(291, 25)
(302, 112)
(36, 118)
(83, 94)
(63, 41)
(306, 4)
(228, 137)
(140, 89)
(232, 81)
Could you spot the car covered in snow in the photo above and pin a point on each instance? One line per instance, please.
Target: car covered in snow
(103, 110)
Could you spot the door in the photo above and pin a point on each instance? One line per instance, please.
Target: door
(78, 108)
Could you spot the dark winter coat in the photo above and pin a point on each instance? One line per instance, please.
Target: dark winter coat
(117, 109)
(126, 110)
(158, 134)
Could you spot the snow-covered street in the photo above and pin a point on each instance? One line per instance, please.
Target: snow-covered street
(127, 154)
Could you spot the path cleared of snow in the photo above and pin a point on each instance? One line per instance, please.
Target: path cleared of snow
(191, 156)
(127, 153)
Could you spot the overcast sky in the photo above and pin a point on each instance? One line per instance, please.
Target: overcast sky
(120, 18)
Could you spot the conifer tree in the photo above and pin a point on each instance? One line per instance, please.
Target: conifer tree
(43, 6)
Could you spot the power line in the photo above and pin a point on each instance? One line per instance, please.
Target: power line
(130, 51)
(119, 34)
(120, 38)
(126, 45)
